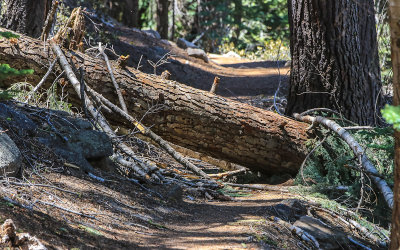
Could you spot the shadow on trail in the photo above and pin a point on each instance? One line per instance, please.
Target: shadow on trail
(260, 64)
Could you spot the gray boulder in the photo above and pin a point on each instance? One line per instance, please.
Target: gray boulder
(10, 156)
(77, 142)
(17, 119)
(328, 238)
(197, 53)
(152, 33)
(91, 144)
(184, 44)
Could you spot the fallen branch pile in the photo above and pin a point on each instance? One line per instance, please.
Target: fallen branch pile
(367, 167)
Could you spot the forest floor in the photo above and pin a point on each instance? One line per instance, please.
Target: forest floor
(120, 214)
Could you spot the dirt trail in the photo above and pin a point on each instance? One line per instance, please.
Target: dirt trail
(218, 225)
(239, 77)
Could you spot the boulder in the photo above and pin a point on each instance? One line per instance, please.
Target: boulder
(184, 44)
(77, 142)
(197, 53)
(91, 144)
(10, 156)
(152, 33)
(17, 119)
(328, 238)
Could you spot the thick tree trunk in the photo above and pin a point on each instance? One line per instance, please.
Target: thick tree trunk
(25, 16)
(162, 18)
(130, 15)
(188, 117)
(237, 16)
(334, 58)
(394, 12)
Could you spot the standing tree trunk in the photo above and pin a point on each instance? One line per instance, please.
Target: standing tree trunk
(334, 58)
(130, 15)
(173, 20)
(237, 18)
(394, 11)
(162, 18)
(25, 16)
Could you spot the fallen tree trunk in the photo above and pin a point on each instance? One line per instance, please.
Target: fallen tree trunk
(191, 118)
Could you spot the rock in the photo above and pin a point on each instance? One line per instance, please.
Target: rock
(159, 51)
(197, 53)
(76, 141)
(175, 194)
(290, 209)
(165, 41)
(184, 44)
(10, 156)
(152, 33)
(232, 54)
(17, 119)
(328, 238)
(91, 144)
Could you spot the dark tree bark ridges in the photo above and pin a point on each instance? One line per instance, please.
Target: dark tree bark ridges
(335, 58)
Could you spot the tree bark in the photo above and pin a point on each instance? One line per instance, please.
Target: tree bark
(25, 16)
(192, 118)
(334, 58)
(237, 17)
(130, 15)
(162, 18)
(394, 12)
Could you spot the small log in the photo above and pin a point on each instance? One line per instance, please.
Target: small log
(116, 86)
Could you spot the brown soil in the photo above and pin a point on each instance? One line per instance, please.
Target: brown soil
(127, 217)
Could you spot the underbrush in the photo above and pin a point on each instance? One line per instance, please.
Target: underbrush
(269, 51)
(332, 171)
(53, 98)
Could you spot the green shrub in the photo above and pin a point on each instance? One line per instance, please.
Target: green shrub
(7, 71)
(334, 164)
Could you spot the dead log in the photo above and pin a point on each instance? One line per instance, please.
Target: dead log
(192, 118)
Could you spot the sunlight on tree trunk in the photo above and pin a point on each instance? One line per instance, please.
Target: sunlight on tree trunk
(394, 12)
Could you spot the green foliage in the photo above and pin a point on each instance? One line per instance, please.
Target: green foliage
(7, 34)
(384, 42)
(392, 115)
(50, 99)
(7, 71)
(248, 25)
(271, 50)
(90, 230)
(7, 94)
(334, 164)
